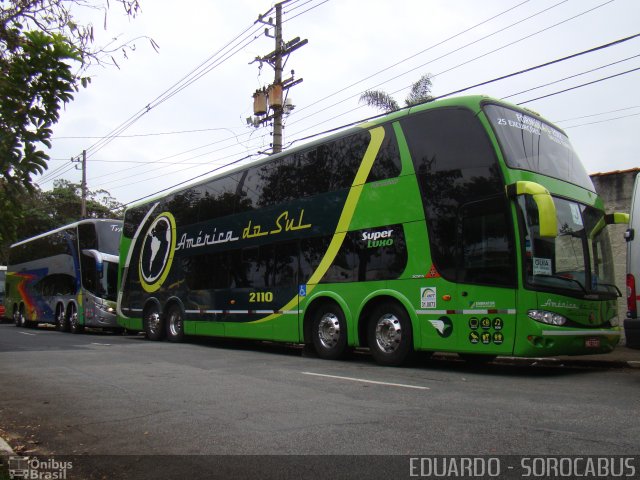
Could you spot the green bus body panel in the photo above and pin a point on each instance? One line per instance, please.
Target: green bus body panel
(445, 315)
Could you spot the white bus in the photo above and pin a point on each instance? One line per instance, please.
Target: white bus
(66, 277)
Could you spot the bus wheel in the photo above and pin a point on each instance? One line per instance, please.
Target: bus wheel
(329, 332)
(18, 317)
(153, 324)
(389, 334)
(61, 322)
(74, 325)
(175, 324)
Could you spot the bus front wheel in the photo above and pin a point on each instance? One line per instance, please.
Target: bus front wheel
(389, 334)
(329, 332)
(153, 324)
(175, 324)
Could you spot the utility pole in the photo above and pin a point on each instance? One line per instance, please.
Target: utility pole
(277, 80)
(83, 185)
(83, 208)
(273, 94)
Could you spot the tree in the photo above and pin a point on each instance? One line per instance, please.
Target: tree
(44, 55)
(420, 92)
(44, 58)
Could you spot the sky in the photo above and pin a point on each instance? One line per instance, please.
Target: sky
(353, 46)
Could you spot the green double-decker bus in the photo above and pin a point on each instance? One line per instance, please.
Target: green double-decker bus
(464, 225)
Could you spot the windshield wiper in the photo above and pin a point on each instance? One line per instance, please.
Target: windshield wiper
(610, 285)
(572, 280)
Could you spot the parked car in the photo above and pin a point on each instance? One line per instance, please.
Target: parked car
(632, 236)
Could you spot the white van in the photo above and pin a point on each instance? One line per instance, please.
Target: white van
(632, 236)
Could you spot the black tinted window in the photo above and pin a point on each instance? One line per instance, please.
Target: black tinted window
(456, 167)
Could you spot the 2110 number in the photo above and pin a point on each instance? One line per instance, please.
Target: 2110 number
(260, 297)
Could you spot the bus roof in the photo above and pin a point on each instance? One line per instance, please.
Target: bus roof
(473, 102)
(64, 227)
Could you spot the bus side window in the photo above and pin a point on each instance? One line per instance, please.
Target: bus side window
(487, 251)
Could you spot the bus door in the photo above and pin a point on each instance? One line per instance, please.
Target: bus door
(486, 273)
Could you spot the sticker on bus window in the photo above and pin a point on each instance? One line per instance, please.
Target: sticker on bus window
(541, 266)
(575, 214)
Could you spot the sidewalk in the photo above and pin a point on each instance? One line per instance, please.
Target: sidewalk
(621, 357)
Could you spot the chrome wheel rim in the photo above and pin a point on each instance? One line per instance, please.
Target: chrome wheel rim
(175, 324)
(329, 330)
(388, 333)
(73, 318)
(153, 320)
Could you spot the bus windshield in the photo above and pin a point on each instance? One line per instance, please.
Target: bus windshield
(528, 143)
(579, 260)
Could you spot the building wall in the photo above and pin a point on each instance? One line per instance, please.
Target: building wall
(616, 189)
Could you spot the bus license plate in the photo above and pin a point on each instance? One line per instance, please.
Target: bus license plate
(592, 343)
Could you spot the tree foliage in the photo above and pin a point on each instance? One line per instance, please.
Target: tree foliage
(420, 92)
(44, 53)
(44, 56)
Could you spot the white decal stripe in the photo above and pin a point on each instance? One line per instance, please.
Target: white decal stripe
(508, 311)
(245, 312)
(579, 333)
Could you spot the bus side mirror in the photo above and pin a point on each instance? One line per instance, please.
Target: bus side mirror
(616, 218)
(544, 202)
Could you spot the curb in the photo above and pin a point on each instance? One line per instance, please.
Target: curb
(5, 448)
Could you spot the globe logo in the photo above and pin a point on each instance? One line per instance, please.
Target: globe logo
(157, 252)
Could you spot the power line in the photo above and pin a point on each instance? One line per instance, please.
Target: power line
(572, 76)
(596, 114)
(580, 86)
(602, 121)
(542, 65)
(151, 134)
(426, 50)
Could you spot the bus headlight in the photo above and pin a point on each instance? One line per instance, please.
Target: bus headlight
(543, 316)
(105, 308)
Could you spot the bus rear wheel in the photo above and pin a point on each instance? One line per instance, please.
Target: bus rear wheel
(18, 316)
(389, 334)
(153, 324)
(61, 320)
(74, 324)
(329, 332)
(175, 324)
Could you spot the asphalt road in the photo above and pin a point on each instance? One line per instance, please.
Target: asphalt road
(108, 395)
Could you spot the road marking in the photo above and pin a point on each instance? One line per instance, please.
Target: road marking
(26, 333)
(362, 380)
(102, 344)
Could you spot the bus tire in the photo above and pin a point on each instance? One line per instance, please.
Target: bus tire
(74, 324)
(20, 319)
(329, 331)
(389, 334)
(153, 324)
(175, 324)
(60, 321)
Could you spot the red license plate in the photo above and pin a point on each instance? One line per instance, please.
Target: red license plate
(592, 343)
